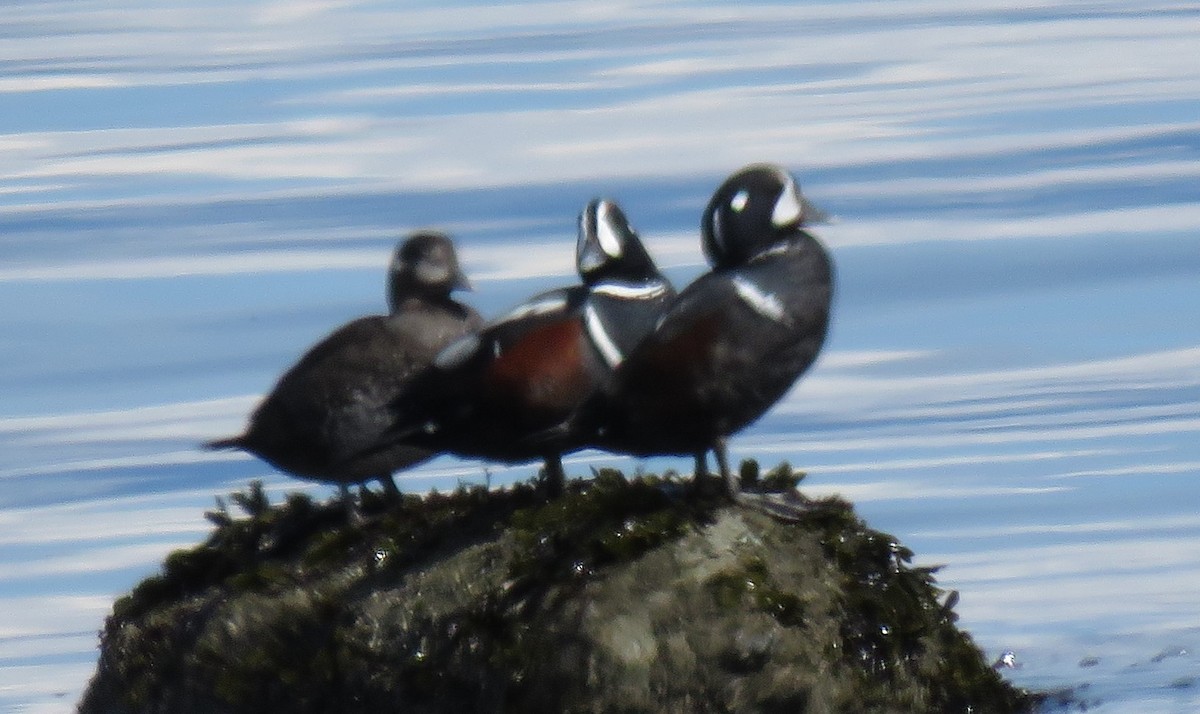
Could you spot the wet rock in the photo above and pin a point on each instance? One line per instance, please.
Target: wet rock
(631, 596)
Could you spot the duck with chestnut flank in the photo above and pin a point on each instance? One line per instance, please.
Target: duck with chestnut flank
(488, 393)
(735, 340)
(327, 409)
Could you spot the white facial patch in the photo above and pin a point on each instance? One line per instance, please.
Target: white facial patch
(764, 304)
(431, 273)
(630, 292)
(610, 241)
(715, 221)
(788, 208)
(581, 241)
(739, 200)
(595, 328)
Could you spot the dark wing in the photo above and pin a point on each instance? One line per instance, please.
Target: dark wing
(728, 349)
(333, 403)
(488, 390)
(658, 395)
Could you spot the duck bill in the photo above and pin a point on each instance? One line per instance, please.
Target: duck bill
(812, 214)
(461, 282)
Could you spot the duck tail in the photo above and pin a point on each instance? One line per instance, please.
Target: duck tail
(232, 442)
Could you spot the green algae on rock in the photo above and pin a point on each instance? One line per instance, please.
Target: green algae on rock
(622, 595)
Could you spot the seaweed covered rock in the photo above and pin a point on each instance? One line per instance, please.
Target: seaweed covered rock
(642, 595)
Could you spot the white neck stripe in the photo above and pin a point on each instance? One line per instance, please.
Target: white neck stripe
(540, 307)
(624, 290)
(774, 249)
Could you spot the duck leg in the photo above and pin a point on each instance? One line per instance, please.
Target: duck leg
(702, 478)
(389, 487)
(721, 453)
(772, 504)
(348, 505)
(553, 476)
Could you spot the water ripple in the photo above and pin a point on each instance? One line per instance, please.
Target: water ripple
(191, 195)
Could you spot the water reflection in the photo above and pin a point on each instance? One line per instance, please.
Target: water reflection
(1012, 383)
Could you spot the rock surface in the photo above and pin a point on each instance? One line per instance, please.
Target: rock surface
(641, 595)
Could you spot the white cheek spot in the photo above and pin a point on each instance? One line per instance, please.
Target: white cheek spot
(764, 304)
(788, 208)
(739, 200)
(606, 234)
(595, 328)
(429, 273)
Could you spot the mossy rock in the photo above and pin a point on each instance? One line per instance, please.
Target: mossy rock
(642, 595)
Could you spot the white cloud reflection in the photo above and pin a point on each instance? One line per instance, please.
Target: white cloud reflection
(897, 71)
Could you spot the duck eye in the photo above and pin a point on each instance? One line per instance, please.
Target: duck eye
(739, 200)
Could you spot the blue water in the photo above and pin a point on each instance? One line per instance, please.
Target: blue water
(192, 194)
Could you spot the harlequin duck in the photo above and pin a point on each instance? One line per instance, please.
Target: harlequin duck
(324, 411)
(736, 339)
(488, 393)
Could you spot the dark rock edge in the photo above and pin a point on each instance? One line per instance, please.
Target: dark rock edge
(622, 595)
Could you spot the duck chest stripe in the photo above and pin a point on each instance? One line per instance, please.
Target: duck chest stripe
(764, 304)
(600, 337)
